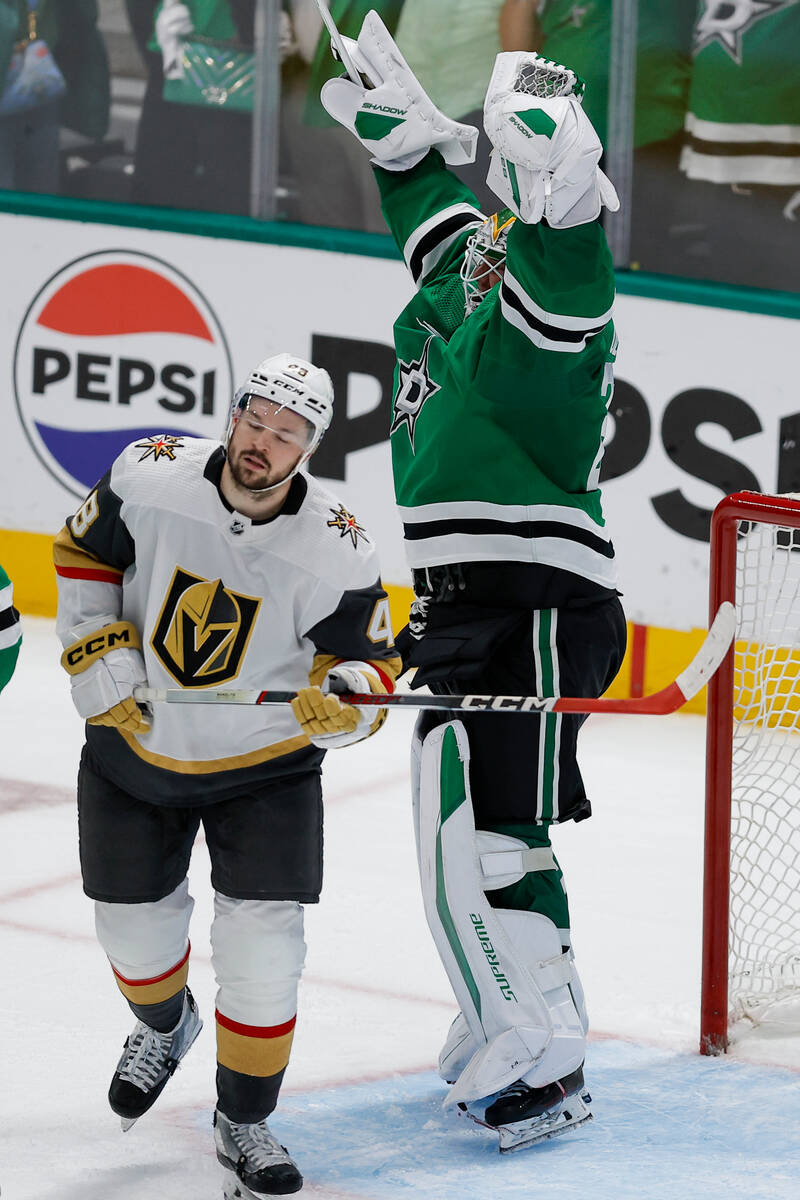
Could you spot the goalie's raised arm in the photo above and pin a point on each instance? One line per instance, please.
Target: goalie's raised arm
(391, 114)
(545, 149)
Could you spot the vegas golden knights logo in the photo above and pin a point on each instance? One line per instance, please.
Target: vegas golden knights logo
(203, 630)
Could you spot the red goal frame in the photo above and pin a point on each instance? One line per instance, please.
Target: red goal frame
(741, 506)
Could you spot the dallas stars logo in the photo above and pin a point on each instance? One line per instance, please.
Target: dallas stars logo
(161, 446)
(577, 13)
(347, 525)
(727, 21)
(414, 387)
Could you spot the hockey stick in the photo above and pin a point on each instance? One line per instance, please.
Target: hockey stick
(337, 42)
(713, 650)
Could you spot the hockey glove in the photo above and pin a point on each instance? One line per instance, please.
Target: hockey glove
(327, 722)
(545, 156)
(104, 667)
(391, 115)
(173, 24)
(125, 715)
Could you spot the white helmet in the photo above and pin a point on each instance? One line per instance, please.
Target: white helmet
(290, 382)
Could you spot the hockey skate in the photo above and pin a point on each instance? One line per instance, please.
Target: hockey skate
(255, 1163)
(148, 1060)
(524, 1115)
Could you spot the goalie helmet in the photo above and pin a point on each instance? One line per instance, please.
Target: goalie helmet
(485, 257)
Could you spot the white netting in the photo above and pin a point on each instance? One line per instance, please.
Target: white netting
(542, 78)
(765, 796)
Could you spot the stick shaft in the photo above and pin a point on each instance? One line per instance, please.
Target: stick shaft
(668, 700)
(338, 41)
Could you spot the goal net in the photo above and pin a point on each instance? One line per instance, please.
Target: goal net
(751, 937)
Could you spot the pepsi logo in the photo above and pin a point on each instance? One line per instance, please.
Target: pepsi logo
(117, 346)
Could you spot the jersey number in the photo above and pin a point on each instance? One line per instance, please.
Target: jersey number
(380, 623)
(86, 515)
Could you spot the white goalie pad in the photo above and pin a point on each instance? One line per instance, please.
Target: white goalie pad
(507, 968)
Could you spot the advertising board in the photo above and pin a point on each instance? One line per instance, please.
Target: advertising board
(110, 335)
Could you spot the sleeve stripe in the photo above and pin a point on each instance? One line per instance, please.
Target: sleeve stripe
(8, 617)
(560, 324)
(75, 562)
(11, 636)
(429, 242)
(716, 131)
(108, 575)
(543, 335)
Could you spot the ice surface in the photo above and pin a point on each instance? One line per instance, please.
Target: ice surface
(361, 1105)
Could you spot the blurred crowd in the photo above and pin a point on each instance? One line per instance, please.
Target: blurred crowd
(151, 102)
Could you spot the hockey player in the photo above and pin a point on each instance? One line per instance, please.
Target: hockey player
(10, 630)
(195, 563)
(503, 380)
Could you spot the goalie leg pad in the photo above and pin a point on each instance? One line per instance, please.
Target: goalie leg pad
(518, 1010)
(460, 1045)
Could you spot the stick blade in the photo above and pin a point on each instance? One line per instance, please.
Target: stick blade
(711, 654)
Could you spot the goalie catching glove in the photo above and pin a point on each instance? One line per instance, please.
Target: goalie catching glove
(545, 156)
(327, 722)
(105, 666)
(391, 115)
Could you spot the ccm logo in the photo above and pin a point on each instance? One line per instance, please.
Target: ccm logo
(97, 645)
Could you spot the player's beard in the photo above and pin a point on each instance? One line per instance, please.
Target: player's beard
(248, 477)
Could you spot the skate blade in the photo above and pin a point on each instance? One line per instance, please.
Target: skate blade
(127, 1123)
(518, 1136)
(574, 1111)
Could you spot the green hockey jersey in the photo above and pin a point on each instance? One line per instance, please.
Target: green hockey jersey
(10, 630)
(498, 418)
(580, 34)
(743, 123)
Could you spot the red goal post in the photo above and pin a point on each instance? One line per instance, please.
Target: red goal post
(751, 889)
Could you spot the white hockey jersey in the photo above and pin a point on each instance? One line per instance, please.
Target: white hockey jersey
(217, 597)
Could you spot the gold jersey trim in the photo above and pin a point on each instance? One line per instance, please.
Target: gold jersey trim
(212, 766)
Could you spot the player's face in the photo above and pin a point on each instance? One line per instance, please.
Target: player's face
(490, 277)
(267, 443)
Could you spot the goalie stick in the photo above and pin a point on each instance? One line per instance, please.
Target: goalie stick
(696, 675)
(337, 43)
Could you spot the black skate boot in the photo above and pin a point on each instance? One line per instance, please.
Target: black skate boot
(255, 1163)
(148, 1060)
(525, 1114)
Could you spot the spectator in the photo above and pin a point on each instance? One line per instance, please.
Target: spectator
(331, 182)
(29, 135)
(191, 156)
(743, 132)
(580, 34)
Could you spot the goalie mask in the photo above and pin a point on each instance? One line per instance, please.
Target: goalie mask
(288, 383)
(485, 257)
